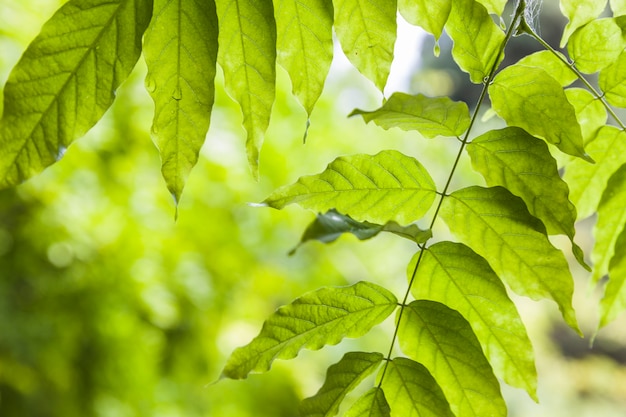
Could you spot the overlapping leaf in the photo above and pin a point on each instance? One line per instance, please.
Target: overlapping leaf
(430, 116)
(512, 158)
(596, 45)
(66, 80)
(247, 54)
(341, 378)
(384, 187)
(453, 274)
(305, 45)
(608, 149)
(494, 6)
(550, 63)
(372, 404)
(477, 39)
(498, 226)
(440, 339)
(579, 13)
(366, 30)
(590, 112)
(412, 391)
(612, 81)
(318, 318)
(528, 97)
(614, 301)
(180, 49)
(430, 15)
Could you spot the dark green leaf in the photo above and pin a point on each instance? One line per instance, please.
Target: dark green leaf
(371, 404)
(596, 45)
(430, 15)
(613, 81)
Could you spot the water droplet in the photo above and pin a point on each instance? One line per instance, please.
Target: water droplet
(150, 84)
(437, 49)
(177, 94)
(60, 152)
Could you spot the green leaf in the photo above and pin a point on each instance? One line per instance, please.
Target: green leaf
(413, 391)
(550, 63)
(596, 45)
(453, 274)
(585, 180)
(430, 15)
(614, 301)
(512, 158)
(477, 39)
(442, 340)
(430, 116)
(618, 7)
(329, 226)
(386, 186)
(590, 112)
(610, 223)
(494, 6)
(612, 81)
(366, 30)
(66, 80)
(579, 13)
(180, 49)
(372, 404)
(247, 54)
(341, 378)
(498, 226)
(318, 318)
(305, 45)
(528, 97)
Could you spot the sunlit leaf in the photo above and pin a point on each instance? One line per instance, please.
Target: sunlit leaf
(247, 54)
(618, 7)
(579, 13)
(366, 30)
(66, 80)
(412, 391)
(528, 97)
(453, 274)
(614, 301)
(430, 15)
(512, 158)
(477, 39)
(305, 45)
(430, 116)
(498, 226)
(590, 112)
(494, 6)
(318, 318)
(180, 49)
(596, 45)
(341, 378)
(613, 81)
(380, 188)
(441, 339)
(372, 404)
(585, 180)
(549, 62)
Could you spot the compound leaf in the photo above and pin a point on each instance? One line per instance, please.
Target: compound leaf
(386, 186)
(596, 45)
(430, 15)
(318, 318)
(180, 49)
(372, 404)
(614, 301)
(453, 274)
(430, 116)
(579, 13)
(612, 81)
(497, 225)
(341, 378)
(66, 80)
(442, 340)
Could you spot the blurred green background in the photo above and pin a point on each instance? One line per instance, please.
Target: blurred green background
(110, 307)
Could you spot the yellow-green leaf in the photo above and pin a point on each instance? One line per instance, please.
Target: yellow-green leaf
(590, 112)
(614, 301)
(612, 81)
(430, 15)
(372, 404)
(579, 13)
(596, 45)
(549, 62)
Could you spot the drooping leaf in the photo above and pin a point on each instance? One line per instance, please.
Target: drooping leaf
(453, 274)
(412, 391)
(612, 81)
(608, 149)
(441, 339)
(380, 188)
(430, 15)
(550, 63)
(180, 49)
(590, 112)
(596, 45)
(611, 221)
(512, 158)
(372, 404)
(430, 116)
(477, 39)
(318, 318)
(618, 7)
(497, 225)
(247, 54)
(329, 226)
(528, 97)
(614, 301)
(579, 13)
(66, 80)
(494, 6)
(305, 45)
(341, 378)
(366, 30)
